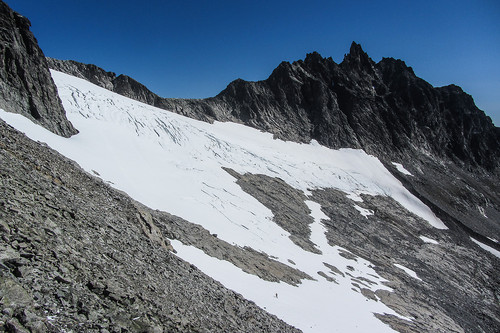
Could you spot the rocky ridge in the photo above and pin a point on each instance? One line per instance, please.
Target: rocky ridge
(26, 86)
(128, 87)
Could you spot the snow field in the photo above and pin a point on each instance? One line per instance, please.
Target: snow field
(428, 240)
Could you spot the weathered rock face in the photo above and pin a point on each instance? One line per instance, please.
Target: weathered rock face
(77, 255)
(461, 199)
(26, 86)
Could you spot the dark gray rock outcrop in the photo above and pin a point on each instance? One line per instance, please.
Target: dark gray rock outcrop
(26, 86)
(461, 199)
(286, 203)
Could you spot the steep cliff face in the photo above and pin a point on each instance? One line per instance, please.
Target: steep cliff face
(26, 86)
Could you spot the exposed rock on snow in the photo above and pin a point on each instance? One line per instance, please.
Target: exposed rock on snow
(447, 296)
(286, 203)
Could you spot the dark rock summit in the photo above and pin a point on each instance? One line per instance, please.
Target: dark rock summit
(383, 108)
(26, 86)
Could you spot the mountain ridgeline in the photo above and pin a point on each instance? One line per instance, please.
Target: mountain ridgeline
(76, 254)
(383, 108)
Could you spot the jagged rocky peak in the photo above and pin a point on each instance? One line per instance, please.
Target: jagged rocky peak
(357, 59)
(382, 107)
(313, 57)
(26, 86)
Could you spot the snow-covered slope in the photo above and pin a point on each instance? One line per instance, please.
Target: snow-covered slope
(175, 164)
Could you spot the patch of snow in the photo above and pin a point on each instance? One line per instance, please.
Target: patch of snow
(402, 169)
(491, 250)
(354, 197)
(408, 271)
(309, 307)
(363, 211)
(428, 240)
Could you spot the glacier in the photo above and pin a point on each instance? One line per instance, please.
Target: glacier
(175, 164)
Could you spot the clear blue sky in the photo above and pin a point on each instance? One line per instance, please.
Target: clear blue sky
(193, 49)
